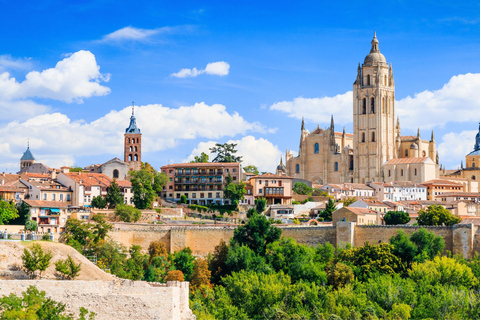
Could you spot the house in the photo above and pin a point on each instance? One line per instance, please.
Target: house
(451, 197)
(277, 189)
(360, 216)
(371, 204)
(436, 187)
(416, 169)
(51, 216)
(399, 190)
(280, 211)
(48, 190)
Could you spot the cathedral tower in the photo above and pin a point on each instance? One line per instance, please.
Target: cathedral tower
(133, 144)
(27, 158)
(373, 116)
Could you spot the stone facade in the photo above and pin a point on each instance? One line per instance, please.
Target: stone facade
(109, 300)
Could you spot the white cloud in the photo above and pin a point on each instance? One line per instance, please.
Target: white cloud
(7, 62)
(162, 128)
(319, 110)
(133, 34)
(455, 146)
(220, 68)
(258, 152)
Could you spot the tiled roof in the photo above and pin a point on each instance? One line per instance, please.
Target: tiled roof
(403, 184)
(459, 194)
(8, 177)
(46, 204)
(270, 175)
(407, 160)
(373, 202)
(360, 210)
(408, 138)
(11, 189)
(95, 179)
(36, 175)
(357, 186)
(437, 182)
(341, 134)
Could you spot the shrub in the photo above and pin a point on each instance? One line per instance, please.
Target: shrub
(157, 248)
(260, 205)
(183, 198)
(36, 259)
(31, 225)
(128, 213)
(174, 275)
(339, 275)
(46, 237)
(68, 269)
(396, 217)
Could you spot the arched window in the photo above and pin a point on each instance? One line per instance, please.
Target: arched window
(136, 157)
(115, 173)
(135, 148)
(406, 152)
(473, 178)
(385, 77)
(128, 140)
(368, 80)
(364, 109)
(363, 136)
(373, 105)
(336, 166)
(473, 164)
(138, 140)
(129, 157)
(351, 165)
(297, 168)
(424, 154)
(389, 173)
(316, 148)
(131, 149)
(373, 136)
(415, 171)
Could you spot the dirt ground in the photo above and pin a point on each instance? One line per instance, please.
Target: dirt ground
(11, 261)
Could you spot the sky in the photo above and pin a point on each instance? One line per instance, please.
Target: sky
(201, 72)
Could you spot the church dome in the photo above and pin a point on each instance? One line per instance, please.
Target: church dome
(414, 146)
(374, 56)
(281, 167)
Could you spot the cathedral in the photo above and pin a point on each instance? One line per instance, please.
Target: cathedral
(327, 156)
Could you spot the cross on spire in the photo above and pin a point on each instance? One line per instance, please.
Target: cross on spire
(133, 107)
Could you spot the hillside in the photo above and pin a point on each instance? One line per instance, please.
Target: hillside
(11, 261)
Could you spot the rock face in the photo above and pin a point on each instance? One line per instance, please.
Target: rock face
(120, 299)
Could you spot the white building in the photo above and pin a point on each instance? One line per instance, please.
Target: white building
(399, 191)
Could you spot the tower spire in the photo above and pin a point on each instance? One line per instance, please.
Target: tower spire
(374, 43)
(303, 124)
(418, 133)
(432, 138)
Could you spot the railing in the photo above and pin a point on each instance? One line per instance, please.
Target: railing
(29, 236)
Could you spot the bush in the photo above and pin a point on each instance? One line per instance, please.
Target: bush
(339, 275)
(46, 237)
(99, 202)
(396, 217)
(68, 269)
(31, 225)
(260, 205)
(36, 259)
(174, 275)
(128, 213)
(183, 198)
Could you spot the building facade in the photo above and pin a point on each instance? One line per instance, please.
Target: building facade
(275, 189)
(326, 156)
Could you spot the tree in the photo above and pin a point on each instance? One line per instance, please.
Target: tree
(142, 188)
(202, 158)
(68, 269)
(75, 169)
(128, 213)
(437, 215)
(330, 207)
(257, 233)
(183, 199)
(396, 217)
(234, 191)
(156, 249)
(174, 275)
(260, 205)
(225, 153)
(348, 201)
(200, 276)
(160, 180)
(302, 188)
(36, 259)
(99, 202)
(217, 265)
(251, 169)
(339, 275)
(8, 211)
(31, 225)
(114, 195)
(184, 261)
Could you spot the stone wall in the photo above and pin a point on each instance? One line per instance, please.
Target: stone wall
(459, 239)
(113, 299)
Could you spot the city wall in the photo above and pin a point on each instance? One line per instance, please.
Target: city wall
(459, 239)
(113, 299)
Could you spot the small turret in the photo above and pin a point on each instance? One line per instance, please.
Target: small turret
(418, 133)
(358, 81)
(432, 139)
(391, 82)
(332, 131)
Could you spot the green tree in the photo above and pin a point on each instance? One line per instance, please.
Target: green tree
(251, 169)
(396, 217)
(183, 199)
(340, 274)
(114, 195)
(68, 269)
(31, 225)
(257, 233)
(260, 205)
(142, 188)
(437, 215)
(8, 211)
(99, 202)
(348, 201)
(234, 191)
(75, 169)
(36, 259)
(428, 244)
(302, 188)
(160, 180)
(217, 264)
(128, 213)
(184, 261)
(202, 158)
(225, 153)
(330, 207)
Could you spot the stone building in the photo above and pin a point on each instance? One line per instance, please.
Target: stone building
(326, 156)
(133, 144)
(472, 163)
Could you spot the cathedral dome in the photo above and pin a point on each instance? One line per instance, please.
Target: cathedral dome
(374, 56)
(414, 146)
(281, 167)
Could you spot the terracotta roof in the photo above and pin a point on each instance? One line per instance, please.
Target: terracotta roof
(95, 179)
(357, 186)
(360, 210)
(7, 177)
(270, 175)
(408, 138)
(46, 204)
(407, 160)
(441, 182)
(11, 189)
(392, 203)
(459, 194)
(201, 165)
(36, 175)
(373, 202)
(403, 184)
(341, 134)
(124, 183)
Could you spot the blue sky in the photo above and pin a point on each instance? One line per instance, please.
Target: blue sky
(68, 73)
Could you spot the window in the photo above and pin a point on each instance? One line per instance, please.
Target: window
(297, 168)
(68, 197)
(385, 80)
(53, 196)
(170, 187)
(266, 182)
(209, 195)
(178, 195)
(279, 183)
(406, 152)
(473, 178)
(316, 148)
(44, 196)
(415, 171)
(373, 136)
(364, 108)
(194, 195)
(389, 173)
(368, 80)
(363, 136)
(259, 181)
(226, 170)
(136, 157)
(401, 172)
(473, 164)
(61, 197)
(217, 195)
(115, 173)
(131, 149)
(336, 166)
(234, 170)
(135, 149)
(202, 195)
(234, 178)
(259, 190)
(129, 157)
(424, 154)
(372, 105)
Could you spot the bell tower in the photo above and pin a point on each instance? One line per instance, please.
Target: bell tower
(133, 143)
(373, 116)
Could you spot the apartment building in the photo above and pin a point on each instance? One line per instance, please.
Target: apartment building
(48, 190)
(51, 216)
(277, 189)
(437, 187)
(399, 191)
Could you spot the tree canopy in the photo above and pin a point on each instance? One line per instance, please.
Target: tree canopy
(396, 217)
(234, 191)
(437, 215)
(114, 195)
(251, 169)
(8, 211)
(202, 158)
(225, 153)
